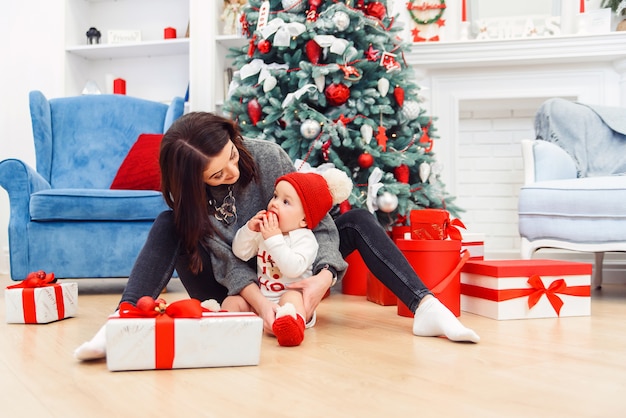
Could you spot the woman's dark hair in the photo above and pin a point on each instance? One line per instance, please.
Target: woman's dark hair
(186, 150)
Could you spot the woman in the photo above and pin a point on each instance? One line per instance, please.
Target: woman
(214, 181)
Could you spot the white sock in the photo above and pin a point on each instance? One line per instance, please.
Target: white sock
(286, 309)
(93, 349)
(433, 319)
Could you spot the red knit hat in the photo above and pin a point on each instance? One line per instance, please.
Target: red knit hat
(319, 193)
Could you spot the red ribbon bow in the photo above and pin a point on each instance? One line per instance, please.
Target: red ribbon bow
(164, 330)
(557, 286)
(33, 281)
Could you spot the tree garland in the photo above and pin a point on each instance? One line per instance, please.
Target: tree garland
(426, 6)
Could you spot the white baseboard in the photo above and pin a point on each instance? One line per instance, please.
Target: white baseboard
(4, 260)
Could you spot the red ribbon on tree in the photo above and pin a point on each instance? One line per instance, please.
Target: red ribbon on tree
(535, 292)
(164, 329)
(33, 281)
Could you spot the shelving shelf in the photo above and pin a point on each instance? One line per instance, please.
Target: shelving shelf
(178, 46)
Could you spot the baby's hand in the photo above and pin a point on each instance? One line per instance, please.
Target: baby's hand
(269, 226)
(254, 224)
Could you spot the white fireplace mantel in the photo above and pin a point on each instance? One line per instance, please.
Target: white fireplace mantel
(432, 56)
(587, 68)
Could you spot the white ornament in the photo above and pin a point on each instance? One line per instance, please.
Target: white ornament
(424, 171)
(387, 202)
(310, 128)
(293, 6)
(341, 21)
(320, 82)
(269, 83)
(366, 133)
(264, 13)
(383, 86)
(411, 109)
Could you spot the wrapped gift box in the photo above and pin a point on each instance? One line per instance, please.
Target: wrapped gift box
(522, 289)
(378, 293)
(216, 339)
(40, 305)
(475, 244)
(438, 264)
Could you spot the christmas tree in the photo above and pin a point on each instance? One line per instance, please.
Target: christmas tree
(326, 80)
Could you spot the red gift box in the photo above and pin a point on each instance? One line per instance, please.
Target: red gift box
(438, 264)
(379, 293)
(354, 281)
(523, 289)
(434, 224)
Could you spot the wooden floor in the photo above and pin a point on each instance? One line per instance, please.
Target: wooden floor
(360, 360)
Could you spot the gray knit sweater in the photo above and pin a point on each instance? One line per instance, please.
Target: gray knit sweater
(272, 162)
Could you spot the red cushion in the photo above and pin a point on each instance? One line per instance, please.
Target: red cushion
(140, 169)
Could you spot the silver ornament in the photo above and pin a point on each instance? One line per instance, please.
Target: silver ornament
(341, 21)
(424, 171)
(367, 132)
(383, 86)
(310, 128)
(411, 109)
(387, 202)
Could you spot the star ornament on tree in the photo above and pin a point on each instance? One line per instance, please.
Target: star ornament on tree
(372, 54)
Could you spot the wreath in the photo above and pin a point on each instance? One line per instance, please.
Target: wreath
(414, 8)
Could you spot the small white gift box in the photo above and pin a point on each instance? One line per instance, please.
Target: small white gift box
(523, 289)
(40, 305)
(475, 244)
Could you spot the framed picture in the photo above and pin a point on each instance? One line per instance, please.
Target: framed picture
(497, 19)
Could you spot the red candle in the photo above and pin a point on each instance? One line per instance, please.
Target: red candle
(169, 33)
(582, 6)
(464, 11)
(119, 86)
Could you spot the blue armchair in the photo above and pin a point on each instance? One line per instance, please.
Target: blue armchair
(574, 196)
(64, 216)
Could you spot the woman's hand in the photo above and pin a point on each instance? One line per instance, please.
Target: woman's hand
(313, 289)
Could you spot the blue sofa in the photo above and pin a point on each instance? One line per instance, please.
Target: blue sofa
(574, 196)
(64, 217)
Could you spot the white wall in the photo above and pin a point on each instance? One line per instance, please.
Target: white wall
(31, 59)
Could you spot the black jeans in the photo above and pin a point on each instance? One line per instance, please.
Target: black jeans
(358, 230)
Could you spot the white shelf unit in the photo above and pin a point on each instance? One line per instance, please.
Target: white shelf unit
(154, 68)
(208, 52)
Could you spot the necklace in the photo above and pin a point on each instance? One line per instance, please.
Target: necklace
(227, 211)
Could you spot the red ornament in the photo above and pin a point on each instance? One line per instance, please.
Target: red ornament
(398, 93)
(313, 51)
(254, 111)
(381, 137)
(251, 46)
(146, 303)
(311, 15)
(365, 160)
(344, 206)
(264, 46)
(337, 94)
(376, 9)
(401, 173)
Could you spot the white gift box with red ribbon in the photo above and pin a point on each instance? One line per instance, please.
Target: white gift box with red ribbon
(525, 289)
(475, 244)
(41, 304)
(216, 339)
